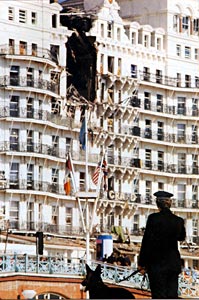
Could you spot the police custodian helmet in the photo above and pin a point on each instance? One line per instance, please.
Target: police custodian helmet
(163, 195)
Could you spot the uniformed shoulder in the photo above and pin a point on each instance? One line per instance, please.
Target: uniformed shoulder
(179, 218)
(153, 215)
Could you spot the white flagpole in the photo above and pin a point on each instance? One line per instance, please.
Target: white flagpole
(75, 190)
(86, 190)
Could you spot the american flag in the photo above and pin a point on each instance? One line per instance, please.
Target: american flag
(96, 175)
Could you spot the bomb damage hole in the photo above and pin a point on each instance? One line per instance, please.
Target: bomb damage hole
(81, 53)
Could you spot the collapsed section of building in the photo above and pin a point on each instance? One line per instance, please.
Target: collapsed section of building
(81, 53)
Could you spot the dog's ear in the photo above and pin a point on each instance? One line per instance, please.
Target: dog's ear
(88, 269)
(98, 269)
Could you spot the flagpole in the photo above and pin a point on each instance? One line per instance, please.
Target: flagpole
(86, 189)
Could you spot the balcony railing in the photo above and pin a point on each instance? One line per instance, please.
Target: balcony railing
(159, 135)
(36, 114)
(165, 80)
(27, 51)
(36, 148)
(21, 81)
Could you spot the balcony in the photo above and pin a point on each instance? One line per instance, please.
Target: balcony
(22, 82)
(33, 148)
(34, 185)
(19, 50)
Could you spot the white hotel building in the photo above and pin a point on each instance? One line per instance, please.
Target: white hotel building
(144, 116)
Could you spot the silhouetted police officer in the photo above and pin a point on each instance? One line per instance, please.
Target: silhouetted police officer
(159, 255)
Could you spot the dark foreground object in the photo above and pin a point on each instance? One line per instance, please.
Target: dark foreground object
(98, 290)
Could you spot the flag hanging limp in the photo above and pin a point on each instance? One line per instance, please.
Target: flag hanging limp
(96, 173)
(82, 135)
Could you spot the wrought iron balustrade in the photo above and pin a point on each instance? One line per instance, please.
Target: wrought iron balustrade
(21, 81)
(51, 265)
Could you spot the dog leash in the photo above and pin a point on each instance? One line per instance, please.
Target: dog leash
(132, 274)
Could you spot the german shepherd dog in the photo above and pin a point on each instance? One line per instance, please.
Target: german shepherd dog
(99, 290)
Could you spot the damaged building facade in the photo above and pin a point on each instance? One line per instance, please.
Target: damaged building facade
(146, 110)
(134, 80)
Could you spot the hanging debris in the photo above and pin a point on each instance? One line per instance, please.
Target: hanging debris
(81, 52)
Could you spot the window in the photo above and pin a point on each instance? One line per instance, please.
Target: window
(194, 137)
(195, 227)
(68, 144)
(133, 38)
(110, 154)
(30, 144)
(159, 103)
(194, 106)
(175, 22)
(14, 75)
(34, 49)
(14, 139)
(178, 50)
(82, 181)
(146, 40)
(181, 194)
(159, 44)
(102, 30)
(160, 161)
(55, 145)
(196, 81)
(160, 133)
(148, 159)
(158, 76)
(11, 46)
(119, 66)
(182, 163)
(185, 24)
(54, 53)
(14, 175)
(178, 80)
(54, 21)
(111, 64)
(33, 18)
(148, 191)
(196, 54)
(136, 223)
(195, 164)
(181, 132)
(187, 80)
(22, 48)
(147, 100)
(22, 16)
(196, 25)
(55, 175)
(14, 106)
(146, 74)
(14, 210)
(10, 13)
(109, 29)
(181, 106)
(133, 71)
(30, 110)
(30, 77)
(69, 216)
(118, 34)
(187, 52)
(30, 176)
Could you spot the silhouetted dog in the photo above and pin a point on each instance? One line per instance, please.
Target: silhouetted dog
(98, 290)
